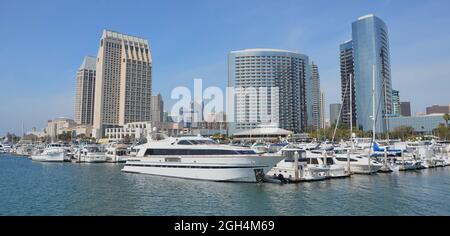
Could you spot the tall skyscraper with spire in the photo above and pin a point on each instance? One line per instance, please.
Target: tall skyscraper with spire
(85, 90)
(123, 81)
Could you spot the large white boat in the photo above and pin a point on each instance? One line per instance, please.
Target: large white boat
(201, 159)
(92, 154)
(55, 152)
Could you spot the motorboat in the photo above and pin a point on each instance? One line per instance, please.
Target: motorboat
(117, 153)
(54, 152)
(325, 159)
(200, 158)
(92, 154)
(359, 162)
(296, 167)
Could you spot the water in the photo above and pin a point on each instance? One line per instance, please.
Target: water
(32, 188)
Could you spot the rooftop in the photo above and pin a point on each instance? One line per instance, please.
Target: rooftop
(366, 16)
(89, 63)
(117, 35)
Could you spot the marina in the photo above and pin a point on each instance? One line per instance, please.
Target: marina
(102, 189)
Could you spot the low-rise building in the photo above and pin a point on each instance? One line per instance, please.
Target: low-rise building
(424, 124)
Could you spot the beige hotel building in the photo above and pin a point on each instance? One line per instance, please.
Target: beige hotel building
(85, 89)
(123, 82)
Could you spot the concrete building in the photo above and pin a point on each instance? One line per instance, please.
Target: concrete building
(314, 109)
(371, 48)
(334, 112)
(157, 108)
(396, 103)
(421, 124)
(270, 87)
(58, 126)
(134, 130)
(123, 81)
(405, 109)
(85, 91)
(436, 109)
(347, 88)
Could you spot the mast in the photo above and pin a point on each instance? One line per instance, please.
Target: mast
(351, 112)
(373, 114)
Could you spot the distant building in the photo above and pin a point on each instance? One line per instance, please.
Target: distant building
(270, 87)
(59, 126)
(436, 109)
(322, 110)
(396, 103)
(85, 92)
(421, 124)
(157, 108)
(123, 81)
(314, 98)
(334, 113)
(135, 130)
(371, 48)
(347, 89)
(405, 109)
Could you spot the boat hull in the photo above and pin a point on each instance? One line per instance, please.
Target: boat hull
(226, 169)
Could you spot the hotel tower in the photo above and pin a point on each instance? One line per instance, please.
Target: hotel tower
(85, 89)
(123, 81)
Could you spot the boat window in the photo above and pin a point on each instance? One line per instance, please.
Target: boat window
(188, 152)
(245, 152)
(184, 142)
(345, 159)
(314, 161)
(330, 161)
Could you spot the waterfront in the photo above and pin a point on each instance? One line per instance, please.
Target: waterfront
(33, 188)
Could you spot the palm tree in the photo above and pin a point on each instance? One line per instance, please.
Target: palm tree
(446, 118)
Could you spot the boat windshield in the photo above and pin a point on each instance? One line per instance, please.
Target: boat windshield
(196, 142)
(92, 149)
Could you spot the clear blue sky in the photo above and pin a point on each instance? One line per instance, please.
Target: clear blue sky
(43, 43)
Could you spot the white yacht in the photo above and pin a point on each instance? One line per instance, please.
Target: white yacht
(201, 159)
(116, 154)
(92, 154)
(55, 152)
(359, 163)
(296, 167)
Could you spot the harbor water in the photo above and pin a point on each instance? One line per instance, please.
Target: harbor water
(33, 188)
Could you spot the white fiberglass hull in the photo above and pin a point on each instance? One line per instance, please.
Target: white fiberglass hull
(56, 157)
(93, 159)
(222, 169)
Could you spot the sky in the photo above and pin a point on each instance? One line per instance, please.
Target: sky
(43, 43)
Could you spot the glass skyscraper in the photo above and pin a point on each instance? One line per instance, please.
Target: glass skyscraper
(371, 48)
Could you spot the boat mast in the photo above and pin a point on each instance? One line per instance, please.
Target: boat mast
(373, 114)
(351, 112)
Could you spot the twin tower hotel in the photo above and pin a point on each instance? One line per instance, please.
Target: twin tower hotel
(114, 88)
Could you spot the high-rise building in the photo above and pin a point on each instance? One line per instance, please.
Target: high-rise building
(334, 113)
(436, 109)
(85, 90)
(405, 109)
(322, 110)
(395, 103)
(313, 98)
(371, 55)
(347, 88)
(123, 81)
(270, 87)
(157, 108)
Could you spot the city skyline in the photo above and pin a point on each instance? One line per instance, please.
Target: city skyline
(44, 89)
